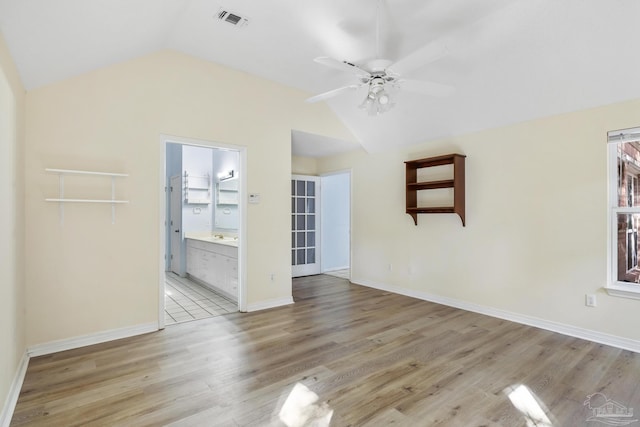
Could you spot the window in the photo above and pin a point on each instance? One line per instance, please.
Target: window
(624, 212)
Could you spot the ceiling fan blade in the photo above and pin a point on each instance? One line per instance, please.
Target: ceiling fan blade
(331, 93)
(426, 88)
(423, 56)
(342, 65)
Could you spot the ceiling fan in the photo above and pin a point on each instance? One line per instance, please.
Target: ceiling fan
(381, 74)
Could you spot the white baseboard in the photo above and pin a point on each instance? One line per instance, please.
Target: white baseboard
(14, 392)
(272, 303)
(85, 340)
(561, 328)
(329, 270)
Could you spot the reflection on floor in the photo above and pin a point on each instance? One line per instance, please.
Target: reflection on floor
(343, 274)
(185, 300)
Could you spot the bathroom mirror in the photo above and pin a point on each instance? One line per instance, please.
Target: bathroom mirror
(226, 207)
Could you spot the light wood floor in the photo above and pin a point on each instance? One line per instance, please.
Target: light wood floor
(371, 357)
(343, 274)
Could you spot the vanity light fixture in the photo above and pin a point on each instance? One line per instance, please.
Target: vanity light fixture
(225, 175)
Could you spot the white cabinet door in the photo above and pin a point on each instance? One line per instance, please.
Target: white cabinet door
(195, 266)
(215, 265)
(232, 276)
(208, 260)
(191, 260)
(218, 272)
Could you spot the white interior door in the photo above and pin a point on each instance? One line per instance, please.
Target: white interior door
(305, 225)
(335, 221)
(175, 222)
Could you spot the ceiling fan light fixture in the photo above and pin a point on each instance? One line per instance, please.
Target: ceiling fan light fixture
(376, 103)
(383, 108)
(380, 75)
(377, 100)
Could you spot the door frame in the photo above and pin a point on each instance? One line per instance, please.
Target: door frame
(174, 214)
(348, 172)
(162, 227)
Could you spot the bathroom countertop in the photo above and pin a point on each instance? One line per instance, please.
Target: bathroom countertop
(227, 241)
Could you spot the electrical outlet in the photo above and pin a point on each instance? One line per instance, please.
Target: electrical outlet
(390, 267)
(590, 300)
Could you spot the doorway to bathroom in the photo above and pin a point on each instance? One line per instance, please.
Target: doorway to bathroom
(202, 253)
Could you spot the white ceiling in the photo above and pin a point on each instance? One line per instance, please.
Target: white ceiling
(311, 145)
(510, 60)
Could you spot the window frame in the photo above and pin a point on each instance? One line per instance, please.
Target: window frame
(614, 286)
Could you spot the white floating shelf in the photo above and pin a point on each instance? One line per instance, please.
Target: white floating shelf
(197, 189)
(196, 201)
(76, 172)
(85, 201)
(62, 200)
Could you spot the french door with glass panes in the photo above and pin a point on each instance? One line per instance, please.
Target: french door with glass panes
(305, 225)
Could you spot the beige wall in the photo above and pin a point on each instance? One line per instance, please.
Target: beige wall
(304, 165)
(88, 275)
(536, 236)
(12, 321)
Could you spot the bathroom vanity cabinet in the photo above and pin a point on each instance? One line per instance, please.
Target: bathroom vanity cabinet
(214, 264)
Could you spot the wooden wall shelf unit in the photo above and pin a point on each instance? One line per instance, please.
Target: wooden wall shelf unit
(457, 183)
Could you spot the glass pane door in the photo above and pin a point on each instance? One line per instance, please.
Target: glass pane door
(305, 252)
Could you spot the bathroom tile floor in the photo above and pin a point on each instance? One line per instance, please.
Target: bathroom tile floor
(185, 300)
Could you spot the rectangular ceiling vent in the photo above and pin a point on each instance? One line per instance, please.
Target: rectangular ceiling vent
(232, 18)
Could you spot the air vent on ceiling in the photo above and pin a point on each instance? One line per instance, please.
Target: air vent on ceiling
(232, 18)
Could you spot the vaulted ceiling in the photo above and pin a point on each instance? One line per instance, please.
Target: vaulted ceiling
(509, 60)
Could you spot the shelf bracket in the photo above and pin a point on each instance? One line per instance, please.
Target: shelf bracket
(61, 192)
(415, 217)
(113, 197)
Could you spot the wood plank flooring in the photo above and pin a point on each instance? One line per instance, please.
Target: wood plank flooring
(372, 358)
